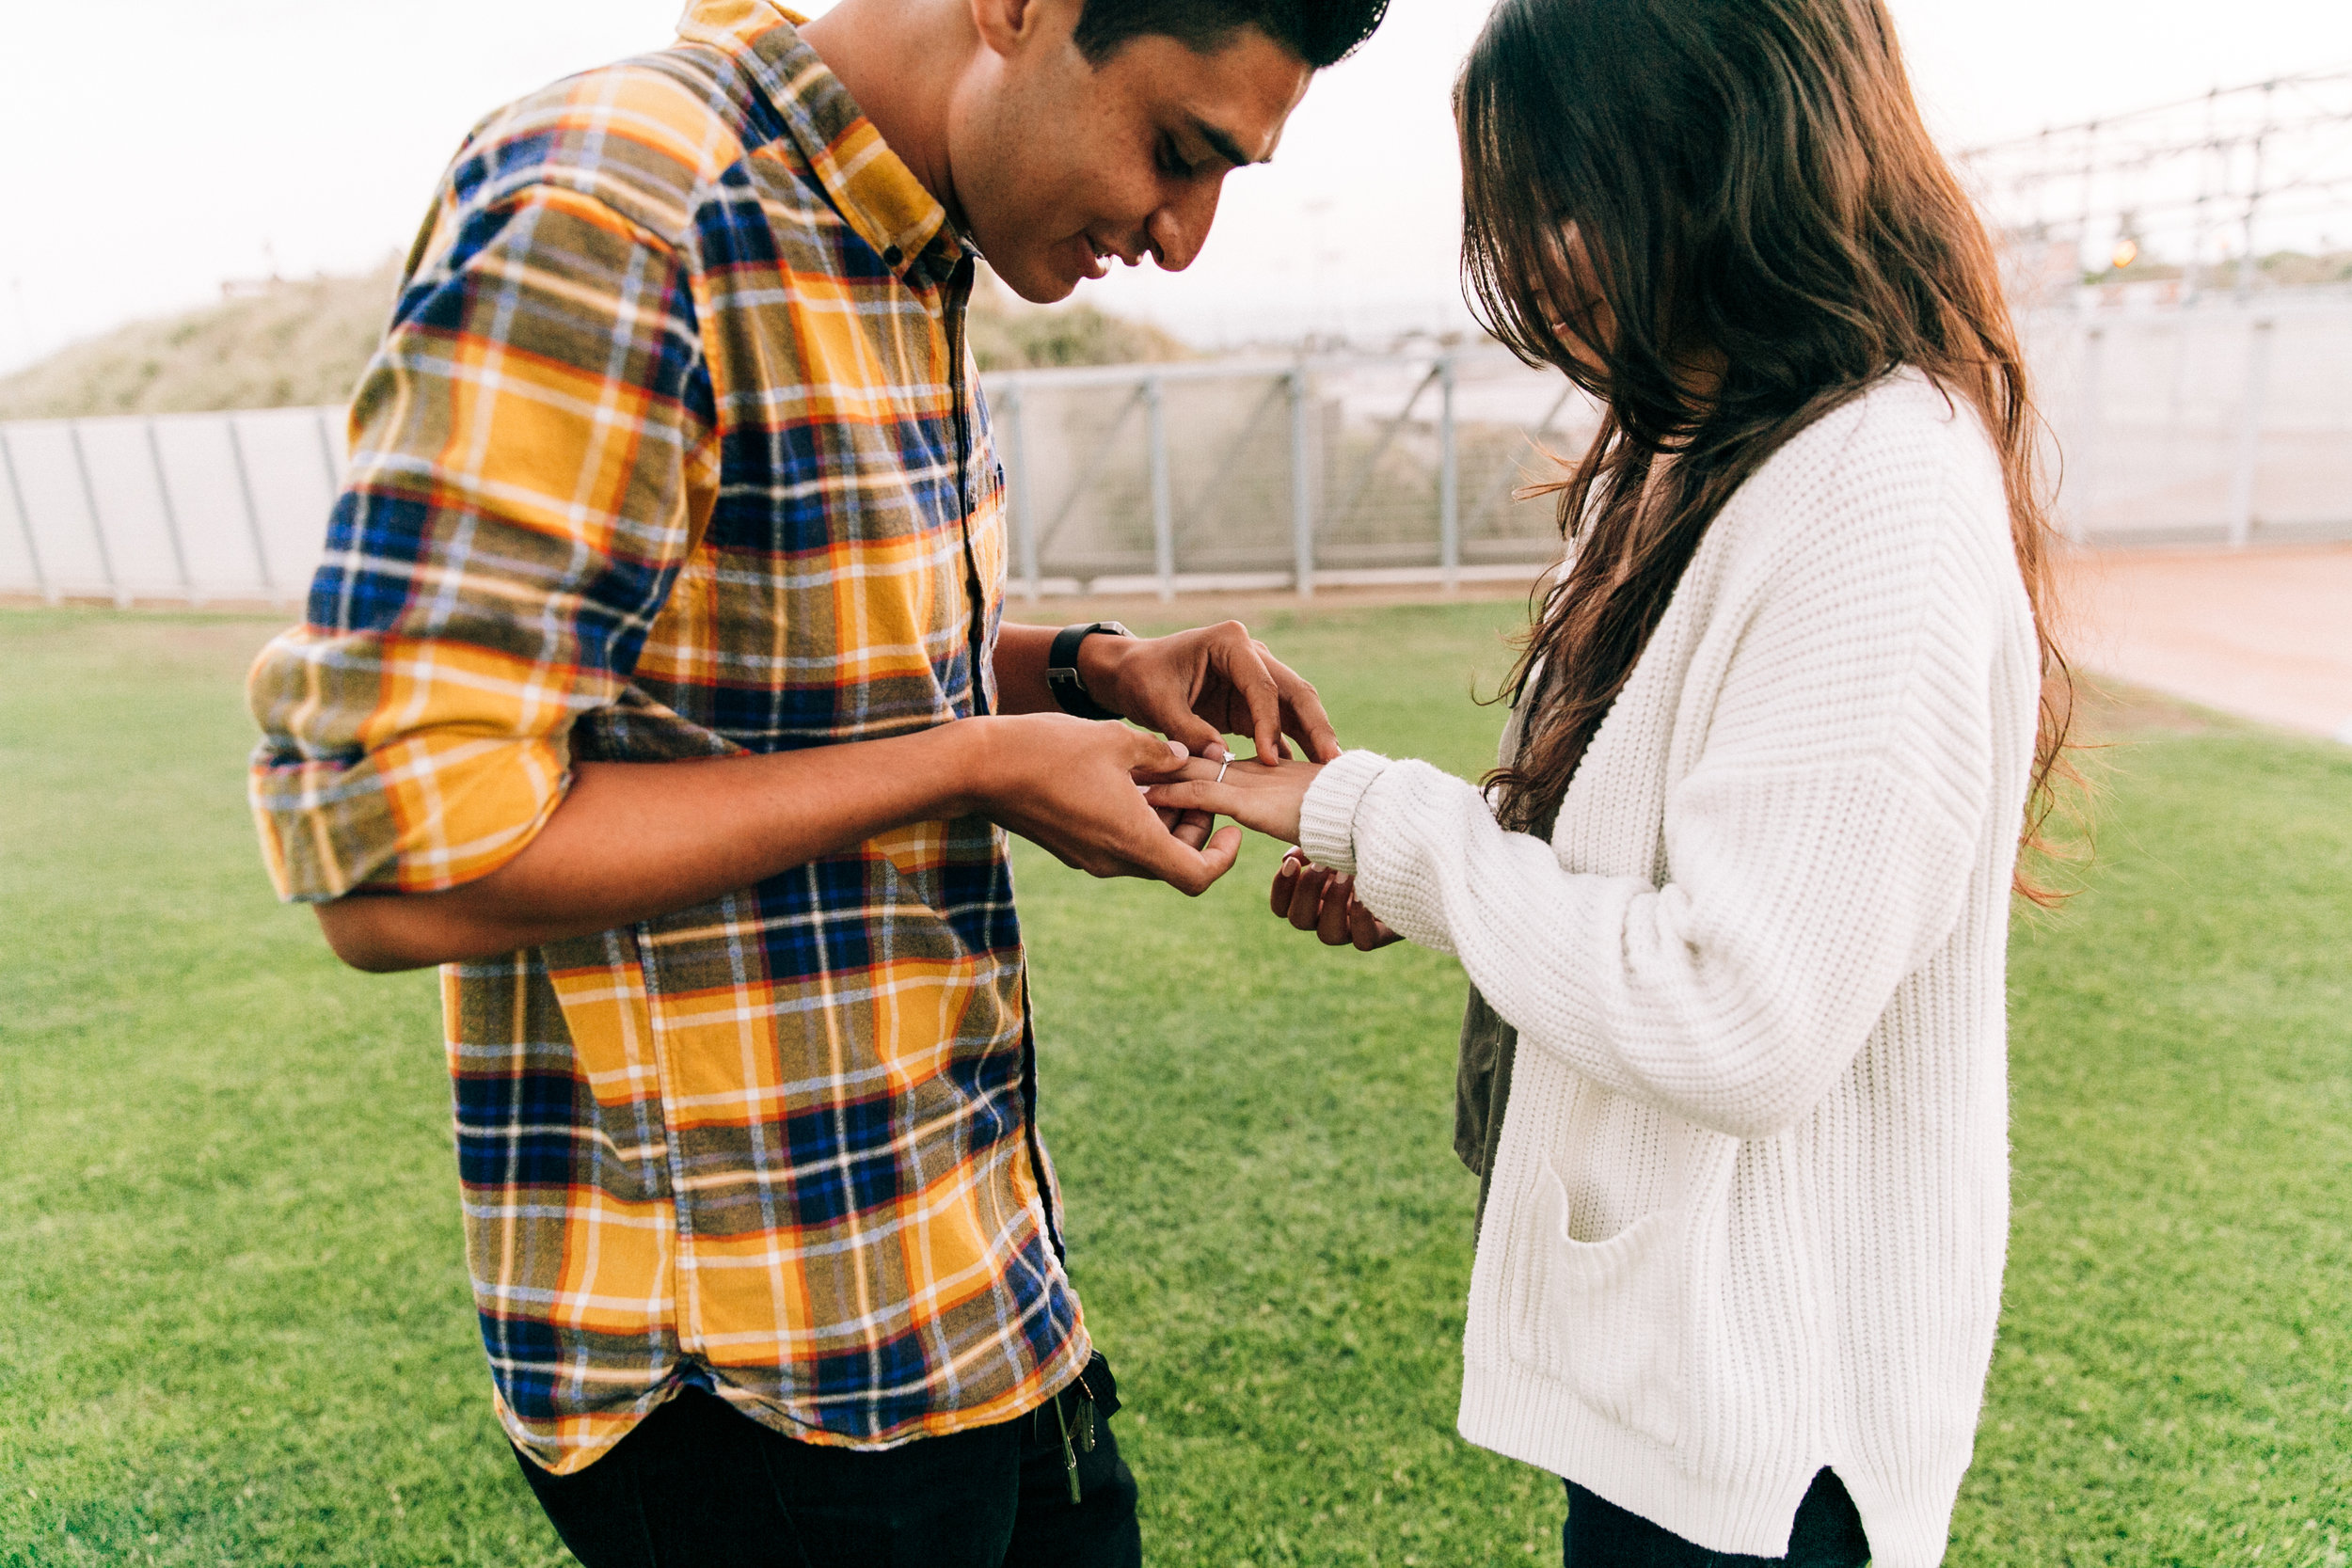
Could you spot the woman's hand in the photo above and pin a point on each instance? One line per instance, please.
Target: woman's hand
(1267, 795)
(1259, 792)
(1315, 899)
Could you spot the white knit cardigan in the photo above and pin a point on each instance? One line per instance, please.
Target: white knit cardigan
(1751, 1201)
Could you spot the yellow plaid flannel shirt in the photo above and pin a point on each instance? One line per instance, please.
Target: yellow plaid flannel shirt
(673, 450)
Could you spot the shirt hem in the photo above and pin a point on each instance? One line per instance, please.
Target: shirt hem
(563, 1459)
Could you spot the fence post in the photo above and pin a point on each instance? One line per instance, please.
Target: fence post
(252, 513)
(97, 524)
(171, 515)
(24, 520)
(1302, 491)
(2250, 434)
(2086, 464)
(1163, 514)
(1024, 503)
(1449, 483)
(327, 456)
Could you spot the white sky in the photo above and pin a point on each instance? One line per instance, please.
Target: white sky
(162, 146)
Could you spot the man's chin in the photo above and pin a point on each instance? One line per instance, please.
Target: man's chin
(1039, 283)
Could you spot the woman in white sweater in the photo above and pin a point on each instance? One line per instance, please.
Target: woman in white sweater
(1735, 908)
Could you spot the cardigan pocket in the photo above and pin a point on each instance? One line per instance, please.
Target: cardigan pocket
(1605, 1318)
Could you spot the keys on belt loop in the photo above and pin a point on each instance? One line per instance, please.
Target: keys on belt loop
(1068, 1454)
(1077, 1438)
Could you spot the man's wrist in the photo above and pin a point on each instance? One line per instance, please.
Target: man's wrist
(967, 764)
(1066, 666)
(1100, 658)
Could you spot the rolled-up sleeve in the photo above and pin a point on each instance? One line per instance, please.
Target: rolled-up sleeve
(532, 457)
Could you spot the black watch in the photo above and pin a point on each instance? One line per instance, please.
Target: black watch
(1061, 670)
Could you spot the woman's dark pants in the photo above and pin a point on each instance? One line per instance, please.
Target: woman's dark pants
(1599, 1534)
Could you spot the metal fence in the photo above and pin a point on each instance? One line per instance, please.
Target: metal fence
(1165, 477)
(185, 507)
(1282, 475)
(2228, 421)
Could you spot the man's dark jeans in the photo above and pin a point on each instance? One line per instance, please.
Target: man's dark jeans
(696, 1484)
(1599, 1534)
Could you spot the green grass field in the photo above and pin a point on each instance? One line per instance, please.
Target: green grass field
(233, 1323)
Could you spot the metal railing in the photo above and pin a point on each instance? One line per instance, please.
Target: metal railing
(184, 507)
(1280, 474)
(1153, 478)
(2225, 421)
(2222, 421)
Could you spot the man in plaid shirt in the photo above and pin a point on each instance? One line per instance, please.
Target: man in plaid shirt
(655, 686)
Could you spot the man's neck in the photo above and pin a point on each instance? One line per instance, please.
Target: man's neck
(900, 59)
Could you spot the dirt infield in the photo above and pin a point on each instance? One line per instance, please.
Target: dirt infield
(2265, 633)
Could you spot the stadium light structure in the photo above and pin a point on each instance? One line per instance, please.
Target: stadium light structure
(2205, 186)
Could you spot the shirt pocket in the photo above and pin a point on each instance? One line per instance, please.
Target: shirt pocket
(1604, 1318)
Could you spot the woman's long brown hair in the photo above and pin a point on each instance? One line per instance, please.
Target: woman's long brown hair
(1762, 228)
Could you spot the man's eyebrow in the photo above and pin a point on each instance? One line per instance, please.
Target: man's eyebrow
(1224, 146)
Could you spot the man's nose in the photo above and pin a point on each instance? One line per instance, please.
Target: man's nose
(1181, 227)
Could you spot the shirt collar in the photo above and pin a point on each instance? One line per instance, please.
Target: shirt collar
(871, 187)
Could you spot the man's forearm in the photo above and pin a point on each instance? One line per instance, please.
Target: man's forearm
(636, 840)
(1021, 652)
(1021, 655)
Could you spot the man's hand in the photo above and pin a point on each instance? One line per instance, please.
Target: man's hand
(1197, 686)
(1074, 787)
(1315, 899)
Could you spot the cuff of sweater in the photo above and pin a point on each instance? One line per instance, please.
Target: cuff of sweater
(1327, 817)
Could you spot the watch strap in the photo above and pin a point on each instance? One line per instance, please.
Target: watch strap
(1062, 669)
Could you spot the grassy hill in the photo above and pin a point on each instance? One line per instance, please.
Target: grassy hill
(290, 344)
(286, 344)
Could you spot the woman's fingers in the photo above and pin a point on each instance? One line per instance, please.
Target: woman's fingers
(1366, 929)
(1195, 795)
(1306, 911)
(1251, 808)
(1332, 925)
(1285, 885)
(1313, 899)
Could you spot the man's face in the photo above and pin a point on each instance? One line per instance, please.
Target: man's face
(1060, 166)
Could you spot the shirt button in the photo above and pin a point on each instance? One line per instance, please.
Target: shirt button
(892, 256)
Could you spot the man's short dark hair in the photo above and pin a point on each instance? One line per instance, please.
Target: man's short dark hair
(1321, 32)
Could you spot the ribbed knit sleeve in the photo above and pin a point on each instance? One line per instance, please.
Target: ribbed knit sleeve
(1818, 843)
(1327, 817)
